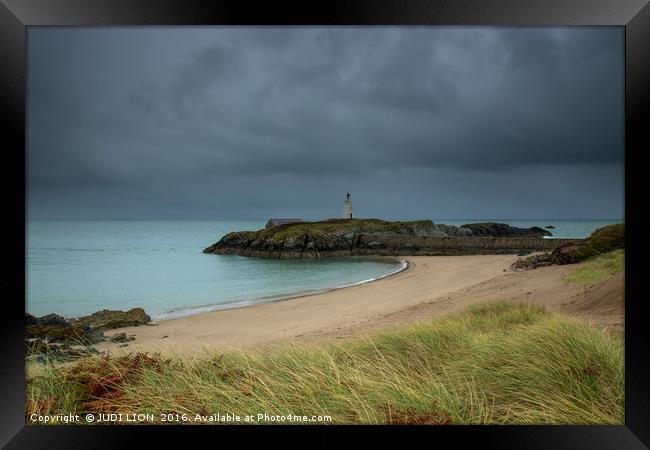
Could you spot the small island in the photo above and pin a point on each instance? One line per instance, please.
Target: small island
(359, 237)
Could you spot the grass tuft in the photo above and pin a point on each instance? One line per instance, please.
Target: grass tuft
(598, 268)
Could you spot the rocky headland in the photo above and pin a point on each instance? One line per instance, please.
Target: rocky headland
(342, 237)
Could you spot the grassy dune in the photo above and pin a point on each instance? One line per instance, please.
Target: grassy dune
(497, 363)
(598, 268)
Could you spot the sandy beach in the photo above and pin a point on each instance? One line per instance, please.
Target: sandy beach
(430, 286)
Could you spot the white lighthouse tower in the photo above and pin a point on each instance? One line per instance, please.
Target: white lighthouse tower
(347, 207)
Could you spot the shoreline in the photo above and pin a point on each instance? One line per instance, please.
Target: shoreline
(431, 286)
(404, 265)
(338, 310)
(281, 298)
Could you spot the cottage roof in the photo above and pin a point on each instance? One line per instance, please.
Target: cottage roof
(276, 222)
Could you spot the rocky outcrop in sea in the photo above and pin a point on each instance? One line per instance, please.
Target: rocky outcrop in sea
(492, 229)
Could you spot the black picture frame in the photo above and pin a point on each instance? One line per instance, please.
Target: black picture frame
(634, 15)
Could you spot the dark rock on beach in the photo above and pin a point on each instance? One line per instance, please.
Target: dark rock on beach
(48, 320)
(532, 262)
(52, 336)
(57, 339)
(43, 351)
(550, 227)
(121, 337)
(107, 319)
(55, 328)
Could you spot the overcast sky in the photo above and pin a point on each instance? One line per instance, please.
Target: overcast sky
(252, 123)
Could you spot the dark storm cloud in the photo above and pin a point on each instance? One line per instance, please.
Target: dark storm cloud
(174, 121)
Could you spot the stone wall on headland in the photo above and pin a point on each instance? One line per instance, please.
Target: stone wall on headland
(431, 245)
(387, 245)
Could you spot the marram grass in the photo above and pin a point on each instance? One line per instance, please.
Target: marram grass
(496, 363)
(598, 268)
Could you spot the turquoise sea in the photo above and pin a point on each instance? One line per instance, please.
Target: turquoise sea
(75, 268)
